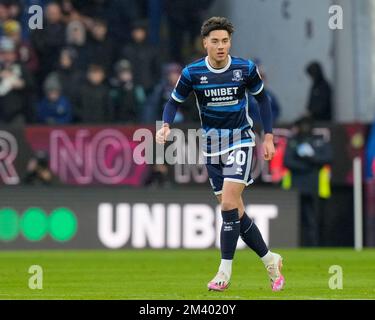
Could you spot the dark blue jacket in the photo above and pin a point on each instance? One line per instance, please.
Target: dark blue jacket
(59, 112)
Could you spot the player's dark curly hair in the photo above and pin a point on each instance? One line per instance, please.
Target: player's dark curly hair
(216, 23)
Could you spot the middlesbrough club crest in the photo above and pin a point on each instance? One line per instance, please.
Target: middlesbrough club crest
(237, 75)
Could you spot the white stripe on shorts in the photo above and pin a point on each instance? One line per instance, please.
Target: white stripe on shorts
(249, 163)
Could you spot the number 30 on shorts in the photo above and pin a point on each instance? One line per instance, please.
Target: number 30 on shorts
(238, 156)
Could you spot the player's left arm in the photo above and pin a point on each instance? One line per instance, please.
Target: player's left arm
(255, 86)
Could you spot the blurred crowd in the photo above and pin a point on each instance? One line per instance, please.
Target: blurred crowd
(110, 61)
(95, 61)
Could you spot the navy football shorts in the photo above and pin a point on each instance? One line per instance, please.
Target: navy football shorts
(235, 166)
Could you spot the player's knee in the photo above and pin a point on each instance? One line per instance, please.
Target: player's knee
(228, 205)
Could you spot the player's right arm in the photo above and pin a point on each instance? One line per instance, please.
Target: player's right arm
(178, 96)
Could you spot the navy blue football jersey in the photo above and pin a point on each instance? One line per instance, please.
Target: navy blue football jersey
(222, 101)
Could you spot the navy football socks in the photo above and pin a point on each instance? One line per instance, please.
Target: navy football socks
(230, 232)
(251, 235)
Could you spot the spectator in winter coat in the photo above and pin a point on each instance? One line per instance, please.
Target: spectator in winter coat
(54, 108)
(319, 105)
(127, 98)
(93, 105)
(25, 52)
(16, 86)
(144, 56)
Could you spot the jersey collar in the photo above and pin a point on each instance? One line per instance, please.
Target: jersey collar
(219, 70)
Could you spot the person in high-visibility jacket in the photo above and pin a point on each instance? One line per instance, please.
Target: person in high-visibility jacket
(308, 159)
(370, 154)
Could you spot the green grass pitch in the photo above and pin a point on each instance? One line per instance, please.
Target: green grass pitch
(182, 274)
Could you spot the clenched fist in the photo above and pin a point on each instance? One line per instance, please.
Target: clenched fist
(268, 147)
(162, 134)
